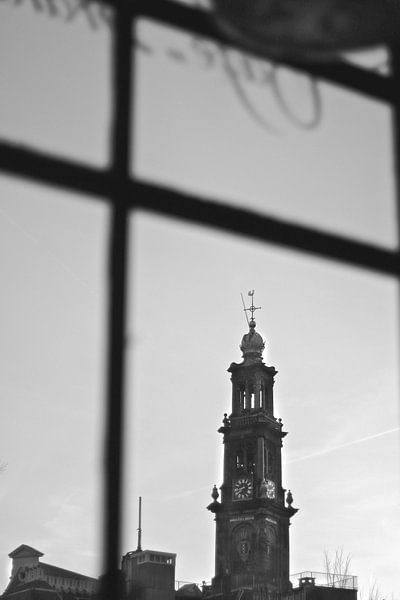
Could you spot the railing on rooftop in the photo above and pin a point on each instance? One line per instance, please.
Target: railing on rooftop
(337, 580)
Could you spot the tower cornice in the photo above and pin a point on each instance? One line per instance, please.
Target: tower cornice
(234, 367)
(260, 420)
(253, 509)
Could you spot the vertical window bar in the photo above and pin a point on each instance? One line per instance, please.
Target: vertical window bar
(111, 588)
(395, 64)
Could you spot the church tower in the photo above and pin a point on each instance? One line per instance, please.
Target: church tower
(252, 517)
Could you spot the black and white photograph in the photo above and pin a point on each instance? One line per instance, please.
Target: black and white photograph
(199, 325)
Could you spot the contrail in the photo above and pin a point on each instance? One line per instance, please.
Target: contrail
(333, 448)
(185, 493)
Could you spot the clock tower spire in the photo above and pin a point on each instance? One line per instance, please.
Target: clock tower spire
(252, 519)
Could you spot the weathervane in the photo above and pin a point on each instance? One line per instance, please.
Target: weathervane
(251, 309)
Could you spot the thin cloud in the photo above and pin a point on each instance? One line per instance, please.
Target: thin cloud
(186, 493)
(334, 448)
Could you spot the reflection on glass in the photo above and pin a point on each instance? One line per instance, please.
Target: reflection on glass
(376, 60)
(55, 65)
(330, 331)
(196, 3)
(218, 123)
(52, 383)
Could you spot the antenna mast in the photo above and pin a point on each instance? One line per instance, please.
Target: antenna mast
(139, 537)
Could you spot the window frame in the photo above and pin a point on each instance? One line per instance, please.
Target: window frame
(123, 194)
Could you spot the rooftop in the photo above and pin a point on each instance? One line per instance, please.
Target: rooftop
(316, 578)
(58, 572)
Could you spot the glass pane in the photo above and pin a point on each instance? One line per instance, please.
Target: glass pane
(330, 331)
(52, 384)
(55, 76)
(220, 124)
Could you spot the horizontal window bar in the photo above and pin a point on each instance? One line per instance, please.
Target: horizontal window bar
(174, 203)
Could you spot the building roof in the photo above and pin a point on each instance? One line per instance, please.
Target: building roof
(189, 590)
(162, 553)
(24, 551)
(58, 572)
(30, 590)
(38, 588)
(33, 594)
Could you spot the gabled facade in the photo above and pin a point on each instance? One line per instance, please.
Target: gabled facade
(35, 580)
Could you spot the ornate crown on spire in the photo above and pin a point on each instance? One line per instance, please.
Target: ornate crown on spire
(252, 345)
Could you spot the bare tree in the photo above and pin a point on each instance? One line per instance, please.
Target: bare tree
(337, 567)
(3, 466)
(372, 593)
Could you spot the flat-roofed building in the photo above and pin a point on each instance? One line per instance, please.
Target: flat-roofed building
(149, 575)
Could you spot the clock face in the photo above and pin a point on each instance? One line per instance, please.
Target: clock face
(271, 491)
(242, 488)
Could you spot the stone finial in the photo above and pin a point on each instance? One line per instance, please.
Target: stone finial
(215, 493)
(289, 498)
(215, 506)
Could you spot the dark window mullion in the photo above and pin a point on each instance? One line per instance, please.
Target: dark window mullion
(395, 64)
(117, 291)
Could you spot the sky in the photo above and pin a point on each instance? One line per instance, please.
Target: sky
(211, 122)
